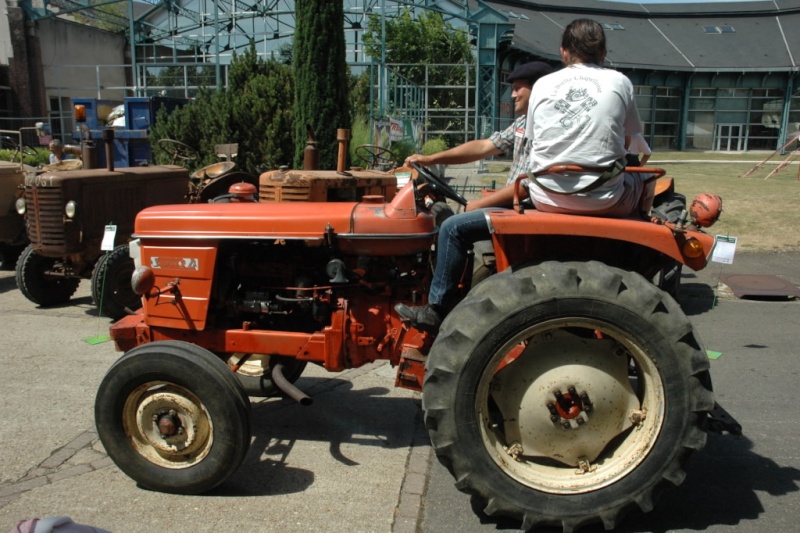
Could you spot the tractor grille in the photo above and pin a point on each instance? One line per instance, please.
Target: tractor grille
(45, 216)
(270, 193)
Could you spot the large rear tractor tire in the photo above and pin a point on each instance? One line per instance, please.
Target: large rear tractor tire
(172, 416)
(564, 394)
(39, 288)
(111, 284)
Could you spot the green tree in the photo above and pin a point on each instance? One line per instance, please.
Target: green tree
(181, 76)
(254, 111)
(427, 40)
(320, 69)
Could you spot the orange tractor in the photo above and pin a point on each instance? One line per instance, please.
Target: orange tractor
(563, 389)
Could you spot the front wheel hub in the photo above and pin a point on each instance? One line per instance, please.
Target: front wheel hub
(169, 424)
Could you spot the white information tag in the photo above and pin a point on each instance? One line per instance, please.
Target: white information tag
(724, 249)
(108, 238)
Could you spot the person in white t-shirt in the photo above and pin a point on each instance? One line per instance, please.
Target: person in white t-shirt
(580, 115)
(639, 151)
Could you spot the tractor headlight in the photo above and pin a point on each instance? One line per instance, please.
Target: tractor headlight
(20, 206)
(70, 209)
(143, 280)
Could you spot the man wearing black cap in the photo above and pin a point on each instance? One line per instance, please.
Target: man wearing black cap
(511, 139)
(459, 232)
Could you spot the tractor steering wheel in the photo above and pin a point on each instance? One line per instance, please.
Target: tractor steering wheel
(375, 155)
(439, 185)
(9, 143)
(177, 150)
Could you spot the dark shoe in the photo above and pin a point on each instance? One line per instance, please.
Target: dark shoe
(423, 317)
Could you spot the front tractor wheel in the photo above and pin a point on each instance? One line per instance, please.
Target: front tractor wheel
(173, 417)
(111, 284)
(36, 283)
(566, 393)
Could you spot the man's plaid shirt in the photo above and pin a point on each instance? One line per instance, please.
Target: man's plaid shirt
(513, 138)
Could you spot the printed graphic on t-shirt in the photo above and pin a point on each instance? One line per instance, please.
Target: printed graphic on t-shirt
(575, 107)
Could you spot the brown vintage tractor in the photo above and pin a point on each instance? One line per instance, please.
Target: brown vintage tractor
(67, 211)
(562, 390)
(13, 238)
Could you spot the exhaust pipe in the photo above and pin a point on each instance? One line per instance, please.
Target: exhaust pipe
(342, 137)
(108, 140)
(289, 389)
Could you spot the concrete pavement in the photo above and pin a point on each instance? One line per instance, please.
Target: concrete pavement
(355, 460)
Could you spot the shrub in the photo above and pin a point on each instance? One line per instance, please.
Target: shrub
(402, 150)
(42, 157)
(434, 146)
(359, 134)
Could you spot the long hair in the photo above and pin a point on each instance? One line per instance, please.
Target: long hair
(585, 40)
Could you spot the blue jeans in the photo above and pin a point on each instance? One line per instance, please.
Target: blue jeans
(456, 236)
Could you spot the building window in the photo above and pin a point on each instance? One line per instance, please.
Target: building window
(793, 125)
(659, 109)
(766, 113)
(700, 123)
(731, 119)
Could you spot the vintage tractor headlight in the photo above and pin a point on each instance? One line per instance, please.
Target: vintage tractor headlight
(21, 206)
(143, 280)
(70, 209)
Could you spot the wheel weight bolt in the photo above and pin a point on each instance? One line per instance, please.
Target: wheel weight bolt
(553, 412)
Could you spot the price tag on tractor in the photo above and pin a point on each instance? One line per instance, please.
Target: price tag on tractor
(108, 238)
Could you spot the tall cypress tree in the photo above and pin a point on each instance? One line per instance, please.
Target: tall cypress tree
(320, 77)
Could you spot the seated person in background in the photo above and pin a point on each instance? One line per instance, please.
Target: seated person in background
(57, 154)
(579, 115)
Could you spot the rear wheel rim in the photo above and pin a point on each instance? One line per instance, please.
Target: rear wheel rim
(572, 445)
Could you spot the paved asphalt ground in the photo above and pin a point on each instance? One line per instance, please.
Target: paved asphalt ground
(358, 460)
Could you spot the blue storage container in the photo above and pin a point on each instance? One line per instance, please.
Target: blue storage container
(131, 145)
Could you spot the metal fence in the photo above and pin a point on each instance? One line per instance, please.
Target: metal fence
(440, 109)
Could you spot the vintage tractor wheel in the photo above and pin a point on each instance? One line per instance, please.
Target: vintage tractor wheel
(375, 156)
(483, 263)
(8, 255)
(173, 417)
(111, 284)
(177, 150)
(254, 373)
(39, 288)
(566, 393)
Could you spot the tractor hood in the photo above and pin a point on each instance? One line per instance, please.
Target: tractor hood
(370, 227)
